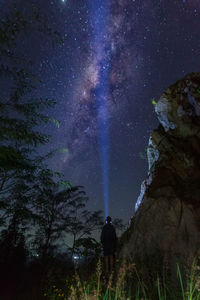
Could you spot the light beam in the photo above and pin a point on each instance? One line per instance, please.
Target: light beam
(100, 18)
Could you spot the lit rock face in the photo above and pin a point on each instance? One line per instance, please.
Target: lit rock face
(167, 219)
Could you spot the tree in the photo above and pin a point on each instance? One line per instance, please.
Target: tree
(80, 222)
(50, 201)
(20, 109)
(88, 246)
(12, 244)
(118, 224)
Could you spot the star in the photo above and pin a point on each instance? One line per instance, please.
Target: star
(122, 45)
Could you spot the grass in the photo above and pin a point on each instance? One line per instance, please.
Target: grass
(126, 284)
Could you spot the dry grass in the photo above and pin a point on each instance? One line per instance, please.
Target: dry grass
(116, 288)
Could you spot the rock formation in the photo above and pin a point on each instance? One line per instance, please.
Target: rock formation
(167, 217)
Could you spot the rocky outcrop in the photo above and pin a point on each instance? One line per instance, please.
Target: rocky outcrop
(167, 217)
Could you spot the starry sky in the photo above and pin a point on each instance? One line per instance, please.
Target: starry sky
(116, 56)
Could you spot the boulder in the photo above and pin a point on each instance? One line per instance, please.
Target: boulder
(166, 224)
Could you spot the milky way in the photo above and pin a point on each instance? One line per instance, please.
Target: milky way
(144, 46)
(142, 43)
(108, 50)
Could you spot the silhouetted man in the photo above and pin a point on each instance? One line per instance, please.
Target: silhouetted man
(109, 241)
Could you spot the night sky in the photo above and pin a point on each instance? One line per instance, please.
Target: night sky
(117, 56)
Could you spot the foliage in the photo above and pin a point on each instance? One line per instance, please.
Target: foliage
(87, 246)
(126, 284)
(12, 244)
(198, 90)
(22, 111)
(50, 211)
(154, 101)
(81, 222)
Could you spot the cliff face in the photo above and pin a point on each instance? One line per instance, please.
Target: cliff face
(167, 219)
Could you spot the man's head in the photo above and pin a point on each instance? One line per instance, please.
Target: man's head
(108, 220)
